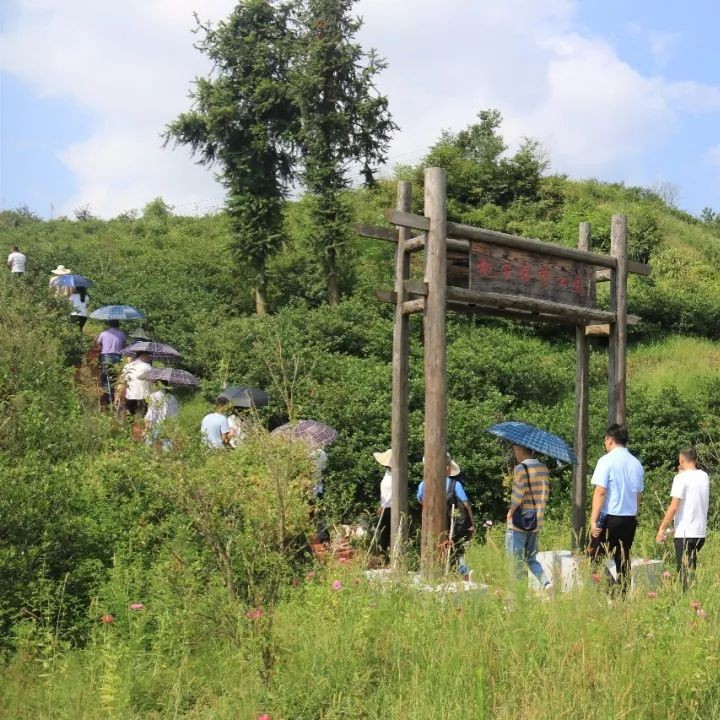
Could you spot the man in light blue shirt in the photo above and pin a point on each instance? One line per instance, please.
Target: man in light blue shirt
(618, 481)
(215, 428)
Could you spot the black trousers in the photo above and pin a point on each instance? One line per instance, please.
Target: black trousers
(686, 550)
(616, 540)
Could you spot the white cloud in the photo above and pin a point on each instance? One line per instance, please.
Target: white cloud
(130, 65)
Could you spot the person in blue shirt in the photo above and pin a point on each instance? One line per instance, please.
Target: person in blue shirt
(215, 427)
(619, 483)
(461, 514)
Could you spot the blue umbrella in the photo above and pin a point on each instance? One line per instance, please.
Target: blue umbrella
(72, 280)
(117, 312)
(534, 438)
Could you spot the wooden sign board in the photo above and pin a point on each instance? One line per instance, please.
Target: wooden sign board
(531, 274)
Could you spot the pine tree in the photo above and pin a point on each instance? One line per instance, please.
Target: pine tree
(242, 122)
(345, 121)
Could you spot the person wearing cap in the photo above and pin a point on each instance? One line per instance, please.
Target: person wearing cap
(137, 389)
(110, 342)
(530, 493)
(383, 528)
(461, 514)
(215, 428)
(16, 261)
(60, 290)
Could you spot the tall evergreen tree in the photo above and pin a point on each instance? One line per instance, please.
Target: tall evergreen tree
(243, 121)
(345, 121)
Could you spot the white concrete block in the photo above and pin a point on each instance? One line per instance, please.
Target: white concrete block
(573, 569)
(644, 573)
(551, 563)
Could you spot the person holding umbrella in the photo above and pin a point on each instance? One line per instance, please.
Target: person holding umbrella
(110, 343)
(80, 300)
(530, 492)
(161, 405)
(137, 389)
(61, 290)
(525, 516)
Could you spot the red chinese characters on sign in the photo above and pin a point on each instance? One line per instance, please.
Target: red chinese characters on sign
(531, 274)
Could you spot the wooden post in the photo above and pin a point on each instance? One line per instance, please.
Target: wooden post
(617, 350)
(434, 514)
(400, 377)
(582, 373)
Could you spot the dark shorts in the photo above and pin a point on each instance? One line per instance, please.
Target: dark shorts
(136, 407)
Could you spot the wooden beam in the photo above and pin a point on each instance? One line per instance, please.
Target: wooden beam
(399, 414)
(460, 233)
(518, 315)
(617, 371)
(603, 329)
(386, 296)
(518, 302)
(582, 422)
(416, 243)
(377, 232)
(434, 512)
(410, 307)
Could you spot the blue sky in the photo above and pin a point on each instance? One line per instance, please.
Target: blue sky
(615, 90)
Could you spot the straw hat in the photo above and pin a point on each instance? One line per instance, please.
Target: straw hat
(454, 467)
(384, 458)
(61, 270)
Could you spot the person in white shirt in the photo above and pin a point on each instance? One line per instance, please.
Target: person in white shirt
(80, 299)
(16, 261)
(162, 406)
(215, 428)
(383, 529)
(690, 495)
(136, 390)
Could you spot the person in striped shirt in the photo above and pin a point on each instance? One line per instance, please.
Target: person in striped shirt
(530, 492)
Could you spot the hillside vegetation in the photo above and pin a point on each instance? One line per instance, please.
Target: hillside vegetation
(92, 522)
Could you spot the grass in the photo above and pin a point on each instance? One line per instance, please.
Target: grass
(367, 652)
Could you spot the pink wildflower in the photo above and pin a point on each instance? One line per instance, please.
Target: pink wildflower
(337, 585)
(254, 614)
(652, 594)
(310, 575)
(596, 577)
(107, 619)
(343, 560)
(700, 612)
(695, 605)
(264, 716)
(137, 606)
(667, 575)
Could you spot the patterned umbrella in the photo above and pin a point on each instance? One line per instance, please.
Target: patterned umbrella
(72, 280)
(245, 397)
(117, 312)
(159, 351)
(171, 376)
(534, 439)
(314, 432)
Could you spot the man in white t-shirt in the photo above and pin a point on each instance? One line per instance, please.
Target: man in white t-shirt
(690, 495)
(137, 390)
(16, 261)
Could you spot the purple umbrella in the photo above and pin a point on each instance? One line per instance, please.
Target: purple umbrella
(172, 376)
(159, 351)
(312, 431)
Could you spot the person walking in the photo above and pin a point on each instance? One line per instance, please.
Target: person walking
(137, 390)
(110, 343)
(161, 406)
(688, 507)
(54, 284)
(383, 528)
(526, 515)
(619, 483)
(16, 262)
(461, 522)
(80, 299)
(215, 427)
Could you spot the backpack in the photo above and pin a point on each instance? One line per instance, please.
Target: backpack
(527, 520)
(457, 513)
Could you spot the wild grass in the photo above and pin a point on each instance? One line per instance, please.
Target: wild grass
(372, 651)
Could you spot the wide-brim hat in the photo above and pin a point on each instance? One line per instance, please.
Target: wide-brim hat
(384, 458)
(454, 467)
(61, 270)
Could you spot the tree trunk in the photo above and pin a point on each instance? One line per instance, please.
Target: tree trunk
(261, 306)
(332, 278)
